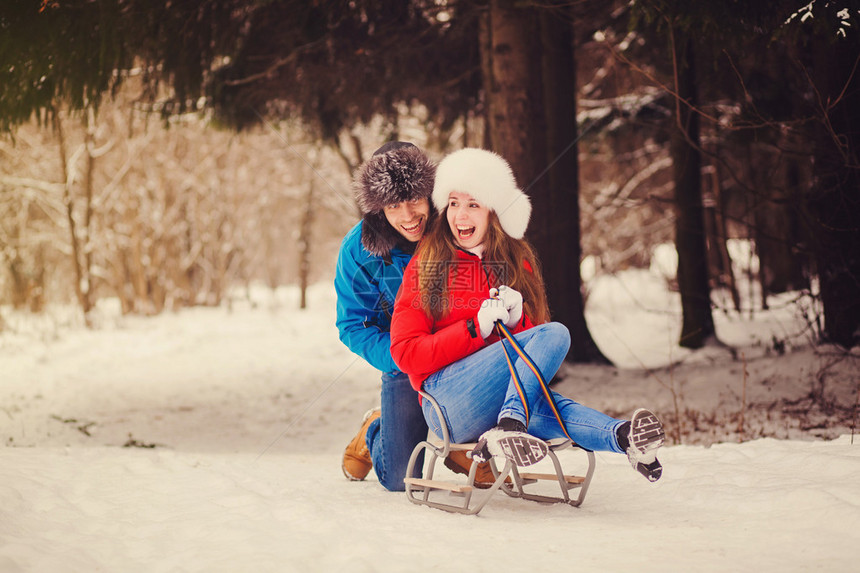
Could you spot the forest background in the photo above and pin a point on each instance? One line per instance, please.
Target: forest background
(163, 152)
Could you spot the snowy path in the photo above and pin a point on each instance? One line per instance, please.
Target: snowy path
(250, 411)
(772, 506)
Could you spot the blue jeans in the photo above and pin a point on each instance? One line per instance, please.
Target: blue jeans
(392, 437)
(478, 390)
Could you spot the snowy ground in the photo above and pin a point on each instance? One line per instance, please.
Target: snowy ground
(234, 421)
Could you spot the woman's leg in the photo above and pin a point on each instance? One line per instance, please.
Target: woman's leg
(470, 393)
(547, 345)
(591, 429)
(478, 390)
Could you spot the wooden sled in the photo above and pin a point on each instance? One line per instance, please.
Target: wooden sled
(458, 497)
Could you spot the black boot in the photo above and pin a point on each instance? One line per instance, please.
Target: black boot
(512, 425)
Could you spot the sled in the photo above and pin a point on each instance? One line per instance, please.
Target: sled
(457, 497)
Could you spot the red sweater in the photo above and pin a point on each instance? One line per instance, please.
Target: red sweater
(419, 345)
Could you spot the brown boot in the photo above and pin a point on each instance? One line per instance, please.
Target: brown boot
(458, 462)
(356, 458)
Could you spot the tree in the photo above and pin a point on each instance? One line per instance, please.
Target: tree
(338, 64)
(834, 200)
(673, 26)
(79, 221)
(690, 239)
(531, 120)
(825, 38)
(562, 257)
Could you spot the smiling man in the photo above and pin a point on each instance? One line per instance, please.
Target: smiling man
(392, 190)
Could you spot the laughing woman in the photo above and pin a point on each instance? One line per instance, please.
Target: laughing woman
(465, 276)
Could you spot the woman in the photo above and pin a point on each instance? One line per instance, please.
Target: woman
(465, 276)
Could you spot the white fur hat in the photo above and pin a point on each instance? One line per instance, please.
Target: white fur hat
(488, 178)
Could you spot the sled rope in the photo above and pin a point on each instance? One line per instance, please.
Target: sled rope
(505, 334)
(517, 382)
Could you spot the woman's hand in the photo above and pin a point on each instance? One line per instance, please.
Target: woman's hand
(513, 301)
(492, 309)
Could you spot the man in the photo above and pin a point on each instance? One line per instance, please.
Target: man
(392, 190)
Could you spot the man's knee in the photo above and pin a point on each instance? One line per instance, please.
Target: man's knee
(393, 484)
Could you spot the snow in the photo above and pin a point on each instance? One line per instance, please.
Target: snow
(236, 419)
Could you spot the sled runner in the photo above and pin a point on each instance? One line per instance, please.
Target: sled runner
(454, 496)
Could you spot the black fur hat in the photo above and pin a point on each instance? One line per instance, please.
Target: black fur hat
(397, 172)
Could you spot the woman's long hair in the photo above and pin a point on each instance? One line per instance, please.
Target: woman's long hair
(509, 261)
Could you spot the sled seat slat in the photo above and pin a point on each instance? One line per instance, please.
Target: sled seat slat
(451, 445)
(435, 484)
(574, 480)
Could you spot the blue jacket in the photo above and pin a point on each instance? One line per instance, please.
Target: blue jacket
(366, 286)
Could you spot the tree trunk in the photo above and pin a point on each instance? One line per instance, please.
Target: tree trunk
(516, 124)
(81, 277)
(515, 118)
(485, 42)
(774, 216)
(562, 258)
(698, 323)
(835, 198)
(531, 122)
(304, 244)
(89, 210)
(717, 232)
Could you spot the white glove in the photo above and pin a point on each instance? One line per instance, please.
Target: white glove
(491, 310)
(513, 301)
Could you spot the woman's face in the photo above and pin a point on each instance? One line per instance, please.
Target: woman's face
(468, 220)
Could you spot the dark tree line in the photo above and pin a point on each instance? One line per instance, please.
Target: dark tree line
(799, 101)
(756, 105)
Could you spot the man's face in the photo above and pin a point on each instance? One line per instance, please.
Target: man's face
(409, 218)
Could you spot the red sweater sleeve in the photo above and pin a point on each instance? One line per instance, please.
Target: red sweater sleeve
(418, 348)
